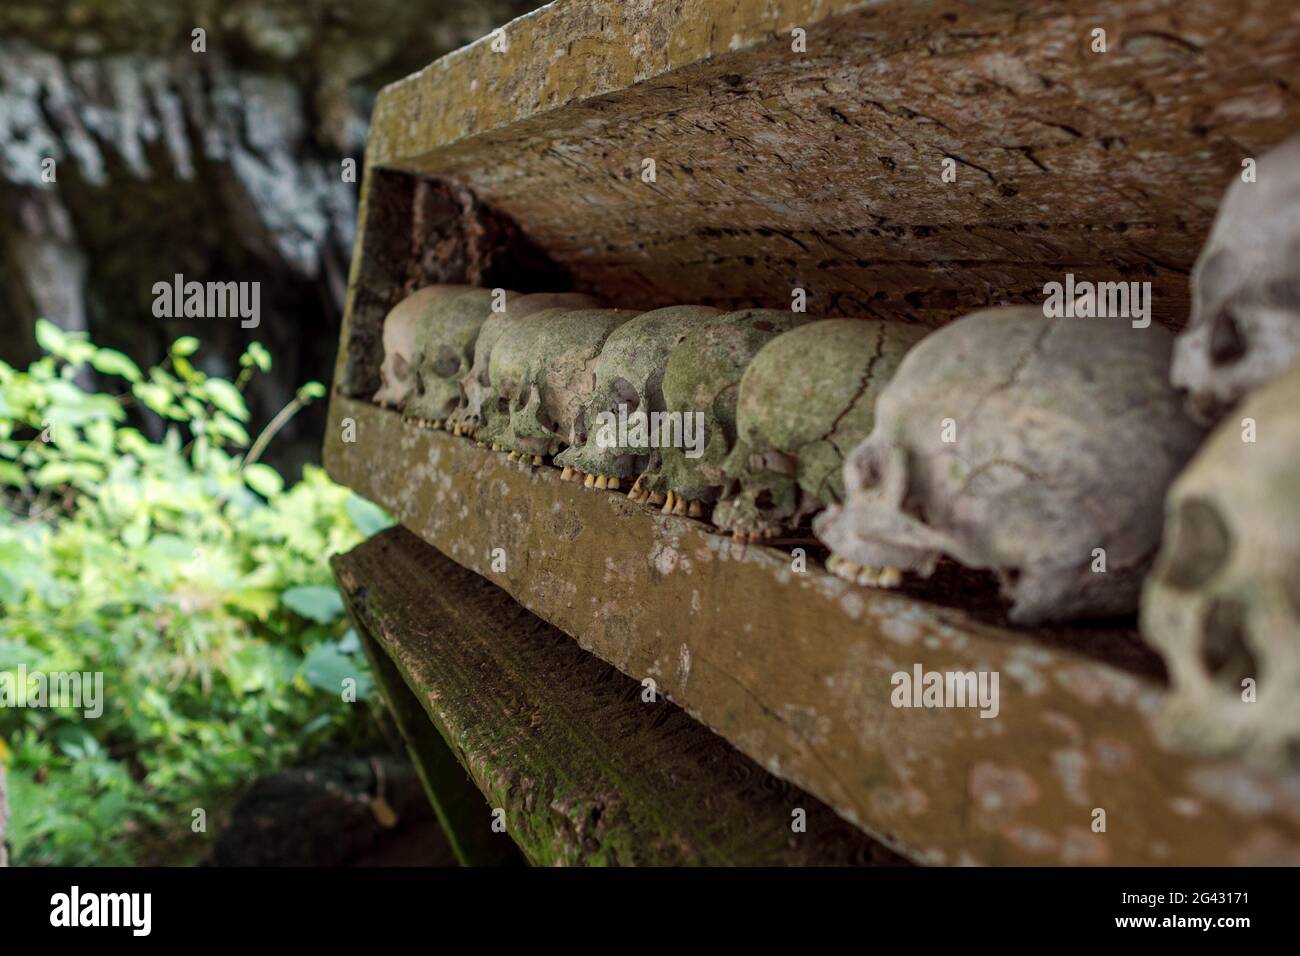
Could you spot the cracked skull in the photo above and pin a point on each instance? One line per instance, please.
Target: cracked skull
(805, 400)
(1223, 602)
(702, 385)
(629, 380)
(397, 373)
(1245, 323)
(1037, 448)
(444, 343)
(547, 378)
(478, 403)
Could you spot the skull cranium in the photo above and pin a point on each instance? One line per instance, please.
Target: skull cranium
(629, 380)
(478, 403)
(805, 400)
(547, 378)
(702, 383)
(1222, 604)
(1245, 323)
(444, 343)
(401, 325)
(1020, 444)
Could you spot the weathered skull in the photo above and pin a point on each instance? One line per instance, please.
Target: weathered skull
(444, 343)
(1245, 324)
(545, 378)
(702, 383)
(397, 373)
(1020, 444)
(1223, 602)
(477, 405)
(629, 375)
(805, 400)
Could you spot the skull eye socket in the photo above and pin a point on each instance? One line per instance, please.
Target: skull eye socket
(1199, 544)
(446, 364)
(1227, 341)
(623, 392)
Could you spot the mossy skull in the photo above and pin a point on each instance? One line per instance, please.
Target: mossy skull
(1245, 322)
(478, 405)
(402, 326)
(444, 350)
(1222, 604)
(805, 400)
(547, 378)
(702, 384)
(629, 380)
(1036, 448)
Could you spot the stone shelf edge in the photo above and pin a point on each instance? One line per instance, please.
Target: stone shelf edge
(794, 669)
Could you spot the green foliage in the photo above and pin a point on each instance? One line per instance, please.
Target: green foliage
(186, 573)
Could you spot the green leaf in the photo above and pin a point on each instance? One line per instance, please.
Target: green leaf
(50, 337)
(156, 398)
(11, 474)
(257, 356)
(312, 390)
(326, 669)
(263, 479)
(112, 362)
(369, 518)
(226, 397)
(185, 345)
(319, 604)
(226, 427)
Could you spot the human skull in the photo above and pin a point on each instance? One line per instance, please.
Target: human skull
(444, 343)
(629, 376)
(805, 400)
(1223, 601)
(1245, 323)
(477, 403)
(1020, 444)
(548, 378)
(702, 384)
(397, 373)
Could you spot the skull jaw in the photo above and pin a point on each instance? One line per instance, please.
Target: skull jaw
(879, 544)
(766, 506)
(593, 460)
(695, 479)
(439, 401)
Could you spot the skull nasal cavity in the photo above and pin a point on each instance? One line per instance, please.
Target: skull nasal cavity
(1227, 343)
(1199, 543)
(1223, 646)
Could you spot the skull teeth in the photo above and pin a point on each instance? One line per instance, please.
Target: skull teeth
(864, 575)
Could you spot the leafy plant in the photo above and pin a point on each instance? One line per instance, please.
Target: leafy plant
(182, 569)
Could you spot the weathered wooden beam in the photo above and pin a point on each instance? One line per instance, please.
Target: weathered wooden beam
(796, 670)
(817, 162)
(455, 799)
(586, 769)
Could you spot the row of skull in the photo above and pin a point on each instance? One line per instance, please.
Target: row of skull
(1005, 440)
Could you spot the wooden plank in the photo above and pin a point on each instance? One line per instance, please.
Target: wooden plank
(586, 769)
(822, 169)
(795, 670)
(455, 799)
